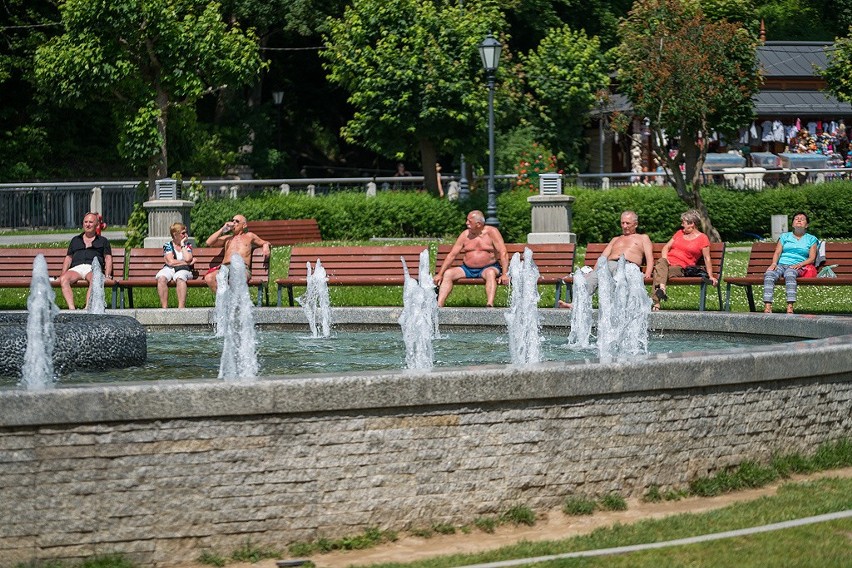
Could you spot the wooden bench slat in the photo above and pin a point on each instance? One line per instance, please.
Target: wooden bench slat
(381, 265)
(16, 268)
(351, 266)
(284, 232)
(760, 257)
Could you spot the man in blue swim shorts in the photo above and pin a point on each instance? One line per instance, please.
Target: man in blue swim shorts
(484, 256)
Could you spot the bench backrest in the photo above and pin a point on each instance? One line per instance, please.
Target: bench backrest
(357, 261)
(287, 231)
(841, 255)
(554, 260)
(18, 262)
(717, 254)
(835, 253)
(146, 262)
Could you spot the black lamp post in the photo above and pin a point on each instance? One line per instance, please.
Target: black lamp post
(490, 50)
(277, 99)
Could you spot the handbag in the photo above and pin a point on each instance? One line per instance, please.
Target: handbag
(695, 272)
(807, 271)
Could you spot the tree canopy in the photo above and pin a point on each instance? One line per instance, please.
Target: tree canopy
(688, 76)
(413, 75)
(144, 58)
(564, 73)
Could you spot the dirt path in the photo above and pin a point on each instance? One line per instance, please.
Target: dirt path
(553, 525)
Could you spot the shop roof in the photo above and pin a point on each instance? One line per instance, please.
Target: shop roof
(792, 58)
(799, 103)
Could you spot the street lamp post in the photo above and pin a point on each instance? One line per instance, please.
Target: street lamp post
(277, 99)
(490, 50)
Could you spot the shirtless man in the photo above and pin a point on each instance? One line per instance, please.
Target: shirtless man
(240, 242)
(629, 244)
(484, 257)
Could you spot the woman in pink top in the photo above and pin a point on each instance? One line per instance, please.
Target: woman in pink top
(684, 249)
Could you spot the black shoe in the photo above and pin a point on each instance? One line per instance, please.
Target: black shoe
(661, 294)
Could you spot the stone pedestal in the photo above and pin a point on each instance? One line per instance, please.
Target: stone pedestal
(778, 226)
(162, 213)
(551, 219)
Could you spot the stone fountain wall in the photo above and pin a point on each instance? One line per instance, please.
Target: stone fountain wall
(161, 472)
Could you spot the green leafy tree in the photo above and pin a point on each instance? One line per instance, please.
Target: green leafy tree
(837, 72)
(564, 73)
(414, 76)
(145, 57)
(689, 76)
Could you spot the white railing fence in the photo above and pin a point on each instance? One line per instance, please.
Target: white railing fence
(62, 205)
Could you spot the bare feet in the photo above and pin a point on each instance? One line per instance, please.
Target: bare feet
(789, 308)
(563, 304)
(767, 308)
(655, 308)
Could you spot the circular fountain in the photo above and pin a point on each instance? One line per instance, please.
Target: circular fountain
(83, 341)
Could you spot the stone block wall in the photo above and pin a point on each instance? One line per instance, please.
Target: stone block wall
(164, 488)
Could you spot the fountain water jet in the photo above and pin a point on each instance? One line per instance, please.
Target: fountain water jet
(522, 317)
(37, 372)
(624, 307)
(419, 319)
(581, 313)
(239, 351)
(221, 302)
(315, 302)
(97, 302)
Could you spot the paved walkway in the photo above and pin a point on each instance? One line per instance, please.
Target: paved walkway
(12, 240)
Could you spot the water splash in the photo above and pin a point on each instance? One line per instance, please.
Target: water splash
(315, 302)
(37, 372)
(522, 317)
(581, 314)
(624, 307)
(97, 302)
(239, 351)
(222, 301)
(419, 318)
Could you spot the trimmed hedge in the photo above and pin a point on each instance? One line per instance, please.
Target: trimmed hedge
(341, 216)
(737, 215)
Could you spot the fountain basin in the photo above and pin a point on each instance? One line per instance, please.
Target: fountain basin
(176, 468)
(83, 341)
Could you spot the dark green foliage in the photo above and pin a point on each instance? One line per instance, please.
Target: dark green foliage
(341, 216)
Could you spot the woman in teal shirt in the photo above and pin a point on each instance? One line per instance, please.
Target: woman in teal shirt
(795, 251)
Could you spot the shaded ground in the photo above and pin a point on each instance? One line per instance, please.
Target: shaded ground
(553, 525)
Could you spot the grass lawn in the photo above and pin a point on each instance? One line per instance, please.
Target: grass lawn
(812, 299)
(818, 545)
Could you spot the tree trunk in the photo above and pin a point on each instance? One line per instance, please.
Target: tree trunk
(159, 168)
(428, 158)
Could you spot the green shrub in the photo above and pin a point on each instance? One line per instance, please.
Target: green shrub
(520, 515)
(737, 215)
(341, 216)
(578, 505)
(613, 502)
(486, 524)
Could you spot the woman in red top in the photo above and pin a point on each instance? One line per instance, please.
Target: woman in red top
(684, 249)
